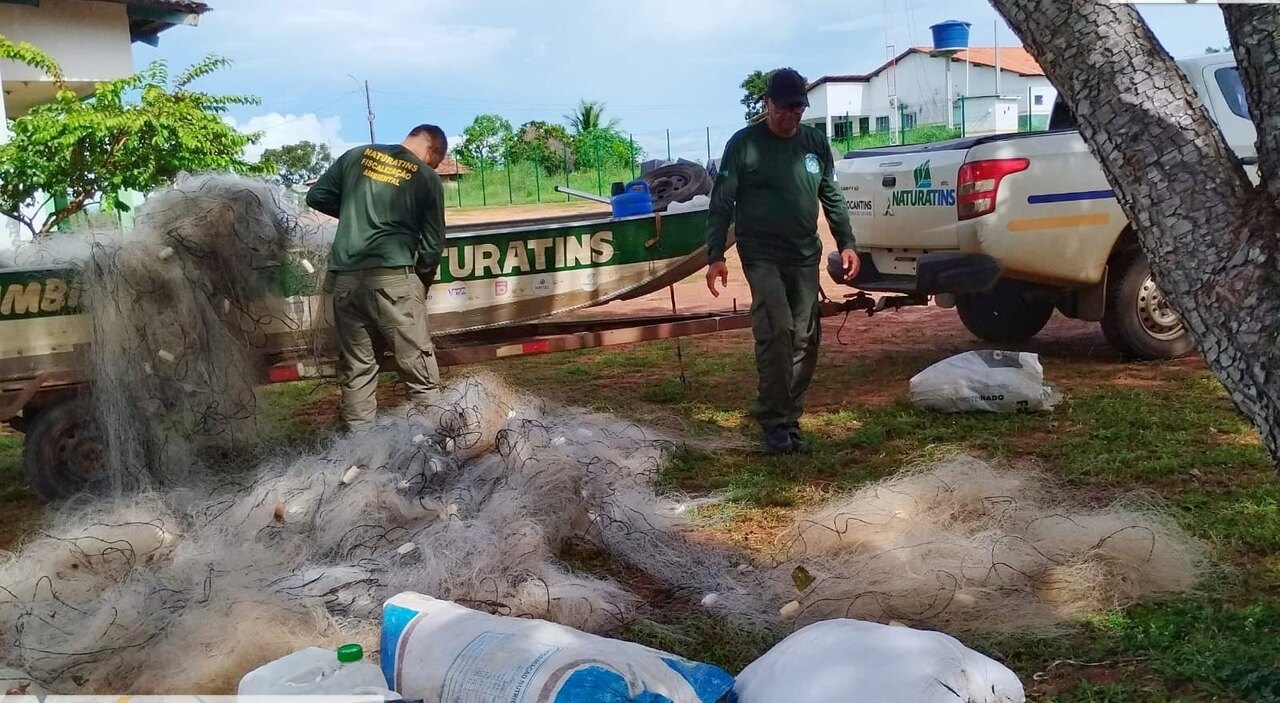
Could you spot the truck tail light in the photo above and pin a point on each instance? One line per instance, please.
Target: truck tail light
(978, 183)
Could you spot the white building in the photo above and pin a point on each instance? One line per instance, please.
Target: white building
(914, 82)
(91, 40)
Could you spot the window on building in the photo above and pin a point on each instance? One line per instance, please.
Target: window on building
(909, 120)
(843, 128)
(1038, 100)
(882, 124)
(864, 126)
(1232, 90)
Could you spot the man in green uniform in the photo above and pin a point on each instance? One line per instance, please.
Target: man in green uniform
(772, 178)
(390, 208)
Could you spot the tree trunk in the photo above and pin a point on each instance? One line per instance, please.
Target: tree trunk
(1208, 232)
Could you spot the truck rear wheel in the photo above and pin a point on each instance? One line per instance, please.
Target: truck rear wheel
(62, 451)
(1003, 315)
(1138, 321)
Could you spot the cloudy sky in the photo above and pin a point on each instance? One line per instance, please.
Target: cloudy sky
(658, 65)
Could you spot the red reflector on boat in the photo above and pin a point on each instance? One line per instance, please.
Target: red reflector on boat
(283, 374)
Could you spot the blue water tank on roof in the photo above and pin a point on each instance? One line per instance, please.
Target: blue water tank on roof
(950, 36)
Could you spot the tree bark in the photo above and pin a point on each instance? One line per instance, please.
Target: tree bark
(1208, 232)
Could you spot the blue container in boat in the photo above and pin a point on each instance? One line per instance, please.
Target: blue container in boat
(950, 36)
(634, 200)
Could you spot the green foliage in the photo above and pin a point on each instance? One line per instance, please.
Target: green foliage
(605, 148)
(589, 117)
(484, 142)
(544, 144)
(134, 133)
(298, 163)
(915, 135)
(753, 87)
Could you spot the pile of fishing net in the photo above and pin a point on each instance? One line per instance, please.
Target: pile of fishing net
(479, 498)
(182, 578)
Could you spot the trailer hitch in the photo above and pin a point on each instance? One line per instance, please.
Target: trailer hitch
(862, 301)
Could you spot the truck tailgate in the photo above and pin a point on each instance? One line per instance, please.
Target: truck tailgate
(903, 199)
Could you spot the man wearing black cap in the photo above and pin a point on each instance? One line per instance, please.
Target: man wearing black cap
(772, 178)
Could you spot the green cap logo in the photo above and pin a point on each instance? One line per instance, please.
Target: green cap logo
(923, 177)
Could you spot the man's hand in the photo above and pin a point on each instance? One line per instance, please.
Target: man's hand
(850, 262)
(719, 270)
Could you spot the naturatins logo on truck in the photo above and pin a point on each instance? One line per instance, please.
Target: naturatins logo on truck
(924, 194)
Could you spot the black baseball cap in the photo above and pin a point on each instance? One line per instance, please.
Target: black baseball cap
(788, 88)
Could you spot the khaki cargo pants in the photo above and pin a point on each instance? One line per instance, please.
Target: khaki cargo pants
(389, 303)
(787, 331)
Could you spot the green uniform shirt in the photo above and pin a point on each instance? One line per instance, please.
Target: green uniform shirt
(390, 209)
(770, 188)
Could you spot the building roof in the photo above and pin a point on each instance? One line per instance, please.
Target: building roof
(1014, 59)
(148, 18)
(449, 167)
(845, 78)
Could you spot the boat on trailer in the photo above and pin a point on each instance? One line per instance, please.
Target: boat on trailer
(496, 274)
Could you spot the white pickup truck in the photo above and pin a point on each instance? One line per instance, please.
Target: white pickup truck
(1007, 228)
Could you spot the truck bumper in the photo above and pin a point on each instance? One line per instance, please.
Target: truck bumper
(936, 273)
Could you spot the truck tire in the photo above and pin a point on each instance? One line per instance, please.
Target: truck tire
(1003, 315)
(1138, 321)
(62, 451)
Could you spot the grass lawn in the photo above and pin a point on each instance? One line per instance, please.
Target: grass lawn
(1167, 428)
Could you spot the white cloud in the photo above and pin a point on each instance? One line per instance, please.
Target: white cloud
(392, 36)
(710, 21)
(279, 130)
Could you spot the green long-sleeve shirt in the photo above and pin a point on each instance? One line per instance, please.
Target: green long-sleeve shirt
(770, 188)
(390, 209)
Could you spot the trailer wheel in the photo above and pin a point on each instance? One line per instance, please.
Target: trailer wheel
(62, 452)
(1138, 321)
(676, 183)
(1003, 315)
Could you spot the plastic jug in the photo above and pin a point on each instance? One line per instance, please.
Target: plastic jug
(634, 200)
(317, 671)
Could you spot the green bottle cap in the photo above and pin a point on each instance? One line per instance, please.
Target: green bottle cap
(349, 653)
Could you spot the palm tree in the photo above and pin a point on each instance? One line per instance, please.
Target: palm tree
(589, 116)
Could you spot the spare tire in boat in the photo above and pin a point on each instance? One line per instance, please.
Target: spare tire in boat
(676, 183)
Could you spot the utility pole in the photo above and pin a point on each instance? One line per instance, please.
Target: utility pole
(368, 104)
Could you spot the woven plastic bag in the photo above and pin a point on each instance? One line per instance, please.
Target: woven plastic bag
(984, 381)
(436, 650)
(838, 661)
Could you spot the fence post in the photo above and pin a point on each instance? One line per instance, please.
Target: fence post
(1029, 128)
(708, 145)
(458, 183)
(668, 145)
(599, 181)
(537, 179)
(484, 197)
(506, 164)
(566, 172)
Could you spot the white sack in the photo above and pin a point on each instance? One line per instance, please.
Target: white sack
(436, 650)
(992, 381)
(837, 661)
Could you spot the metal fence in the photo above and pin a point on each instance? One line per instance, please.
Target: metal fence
(507, 181)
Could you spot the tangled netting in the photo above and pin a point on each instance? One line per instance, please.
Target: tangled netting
(488, 497)
(479, 499)
(964, 547)
(178, 327)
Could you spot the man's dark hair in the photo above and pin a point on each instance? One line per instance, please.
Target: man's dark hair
(434, 133)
